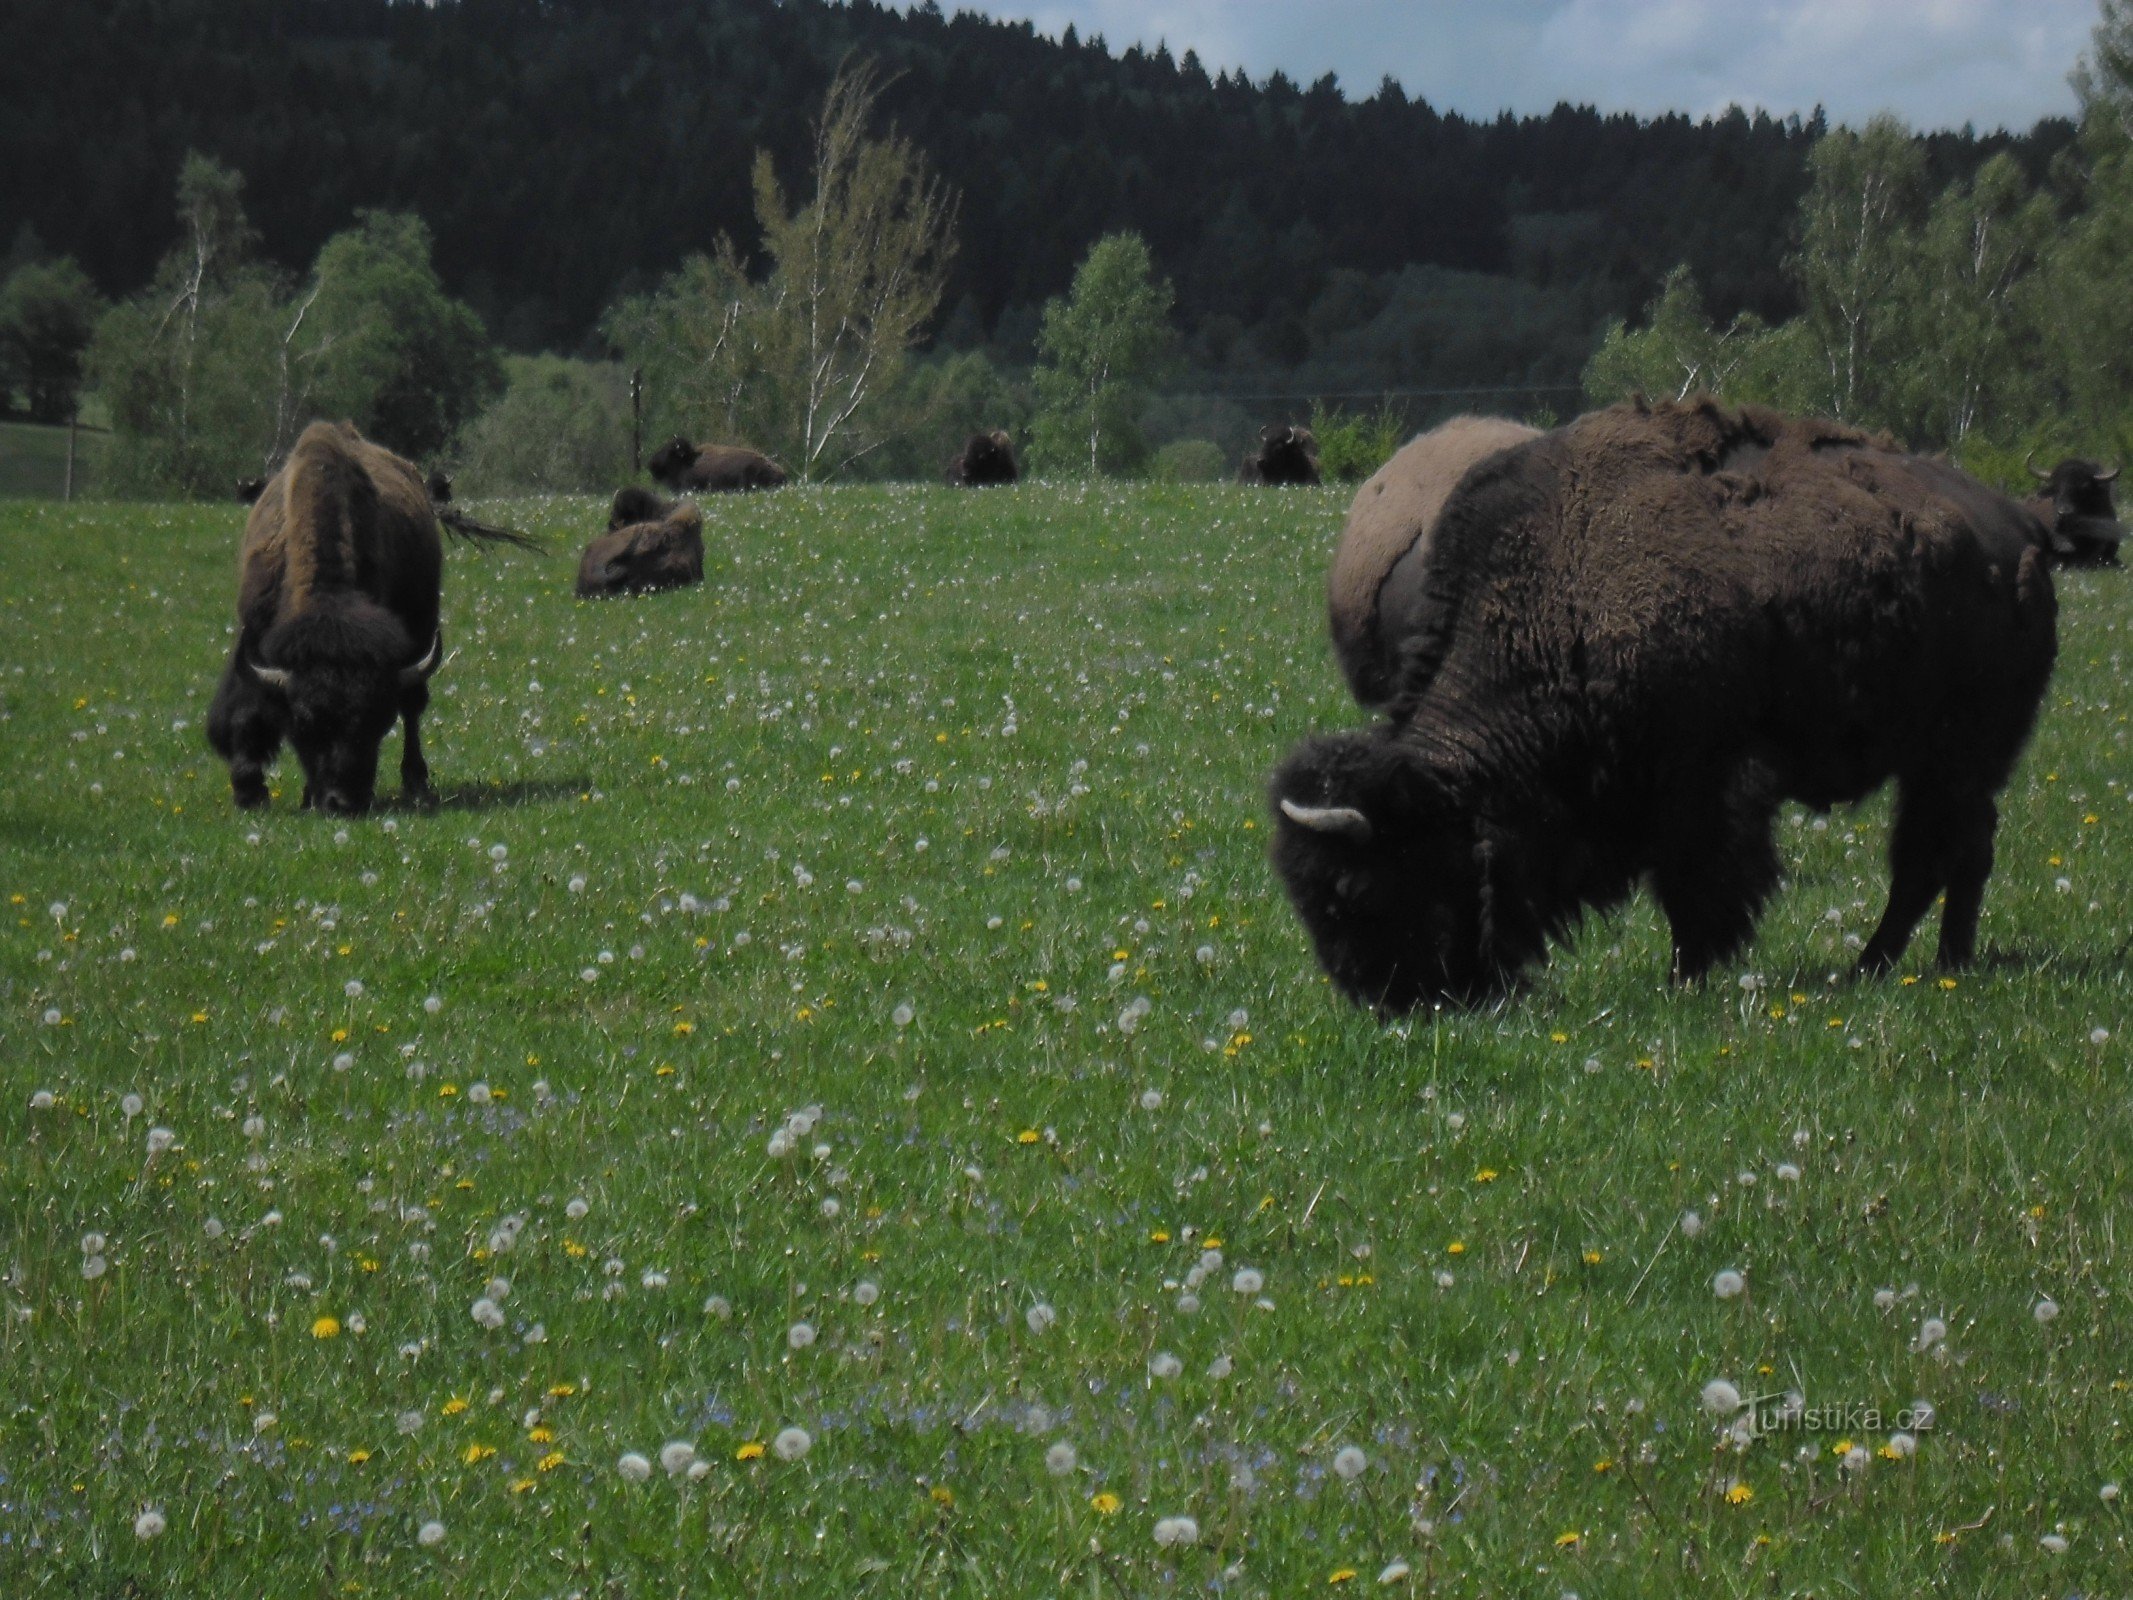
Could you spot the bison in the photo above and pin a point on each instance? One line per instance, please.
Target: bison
(987, 458)
(2074, 502)
(337, 633)
(1375, 592)
(651, 544)
(714, 468)
(1287, 455)
(1638, 634)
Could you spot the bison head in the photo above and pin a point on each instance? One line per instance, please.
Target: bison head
(633, 504)
(671, 460)
(2084, 522)
(345, 672)
(1410, 897)
(763, 473)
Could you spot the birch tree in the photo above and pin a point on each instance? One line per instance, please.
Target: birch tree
(1097, 349)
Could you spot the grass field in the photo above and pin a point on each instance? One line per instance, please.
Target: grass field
(439, 1163)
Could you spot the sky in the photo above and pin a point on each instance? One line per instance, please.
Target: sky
(1936, 63)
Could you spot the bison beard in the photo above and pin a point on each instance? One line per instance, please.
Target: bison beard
(1642, 633)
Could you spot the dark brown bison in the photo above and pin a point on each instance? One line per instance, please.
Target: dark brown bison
(250, 489)
(1287, 455)
(987, 458)
(1375, 592)
(1640, 634)
(337, 597)
(651, 544)
(686, 468)
(2074, 502)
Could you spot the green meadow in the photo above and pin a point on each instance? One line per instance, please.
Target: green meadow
(835, 1103)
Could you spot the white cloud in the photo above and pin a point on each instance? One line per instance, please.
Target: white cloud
(1937, 63)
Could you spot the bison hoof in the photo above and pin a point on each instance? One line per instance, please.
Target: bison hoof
(249, 796)
(421, 796)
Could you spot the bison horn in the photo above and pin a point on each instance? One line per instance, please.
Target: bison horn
(1346, 821)
(2030, 461)
(272, 677)
(2108, 477)
(428, 664)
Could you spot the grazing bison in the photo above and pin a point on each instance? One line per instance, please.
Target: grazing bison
(2074, 502)
(337, 634)
(987, 458)
(1287, 455)
(651, 544)
(1375, 594)
(715, 468)
(1640, 633)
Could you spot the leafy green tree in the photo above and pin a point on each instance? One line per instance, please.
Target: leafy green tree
(1969, 353)
(1859, 226)
(559, 427)
(1097, 350)
(803, 360)
(1677, 352)
(48, 312)
(376, 339)
(187, 368)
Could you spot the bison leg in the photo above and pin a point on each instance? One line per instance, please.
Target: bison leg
(1918, 867)
(245, 725)
(414, 771)
(1716, 867)
(1968, 864)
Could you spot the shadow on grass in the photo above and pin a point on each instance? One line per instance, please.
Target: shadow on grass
(501, 796)
(2097, 961)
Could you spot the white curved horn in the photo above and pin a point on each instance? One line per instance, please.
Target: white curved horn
(428, 664)
(272, 677)
(1343, 820)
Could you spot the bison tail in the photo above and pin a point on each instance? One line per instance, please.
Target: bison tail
(461, 526)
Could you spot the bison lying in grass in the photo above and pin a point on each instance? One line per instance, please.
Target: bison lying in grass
(650, 544)
(2073, 501)
(1635, 637)
(337, 599)
(688, 468)
(987, 459)
(1287, 455)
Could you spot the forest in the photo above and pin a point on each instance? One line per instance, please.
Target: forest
(1329, 247)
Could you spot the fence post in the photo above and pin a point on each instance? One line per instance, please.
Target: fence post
(636, 419)
(66, 494)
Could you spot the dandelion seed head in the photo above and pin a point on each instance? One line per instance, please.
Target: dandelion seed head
(791, 1444)
(1349, 1463)
(430, 1535)
(1061, 1459)
(676, 1457)
(1174, 1532)
(1728, 1285)
(149, 1524)
(1247, 1280)
(1720, 1397)
(800, 1335)
(633, 1467)
(1040, 1317)
(2045, 1310)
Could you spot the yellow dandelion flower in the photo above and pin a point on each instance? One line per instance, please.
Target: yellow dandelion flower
(521, 1485)
(454, 1406)
(1603, 1465)
(1456, 1248)
(943, 1495)
(1211, 1242)
(1158, 1236)
(561, 1391)
(1564, 1541)
(1558, 1038)
(357, 1457)
(571, 1247)
(1104, 1504)
(1843, 1447)
(1738, 1494)
(1592, 1258)
(751, 1451)
(339, 1036)
(1947, 983)
(1028, 1136)
(447, 1091)
(540, 1435)
(665, 1069)
(326, 1328)
(476, 1453)
(549, 1462)
(1341, 1575)
(1485, 1175)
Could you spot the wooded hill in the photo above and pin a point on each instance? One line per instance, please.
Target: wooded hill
(566, 152)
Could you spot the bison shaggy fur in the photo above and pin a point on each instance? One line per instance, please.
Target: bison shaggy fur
(1375, 593)
(1641, 633)
(651, 544)
(987, 459)
(337, 600)
(688, 468)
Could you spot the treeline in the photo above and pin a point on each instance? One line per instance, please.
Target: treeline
(568, 153)
(1988, 317)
